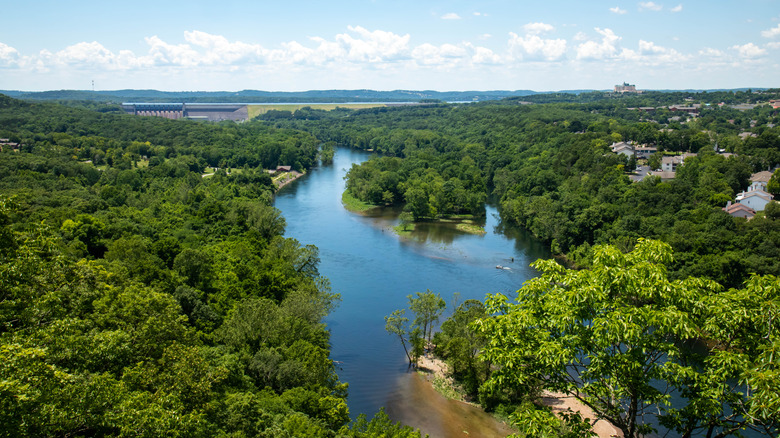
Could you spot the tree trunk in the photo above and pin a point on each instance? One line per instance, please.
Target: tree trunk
(406, 350)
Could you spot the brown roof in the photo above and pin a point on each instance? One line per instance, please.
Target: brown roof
(761, 176)
(733, 208)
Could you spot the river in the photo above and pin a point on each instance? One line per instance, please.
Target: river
(374, 270)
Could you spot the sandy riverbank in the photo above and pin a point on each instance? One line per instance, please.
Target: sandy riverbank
(287, 178)
(562, 402)
(558, 402)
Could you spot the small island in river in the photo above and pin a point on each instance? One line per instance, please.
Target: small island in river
(465, 223)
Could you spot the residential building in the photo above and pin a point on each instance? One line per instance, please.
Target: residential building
(671, 163)
(755, 199)
(623, 148)
(739, 210)
(759, 180)
(645, 151)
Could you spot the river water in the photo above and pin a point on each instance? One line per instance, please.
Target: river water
(374, 271)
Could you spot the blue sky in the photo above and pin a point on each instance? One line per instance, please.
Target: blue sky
(388, 44)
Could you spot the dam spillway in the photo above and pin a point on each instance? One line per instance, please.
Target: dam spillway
(214, 112)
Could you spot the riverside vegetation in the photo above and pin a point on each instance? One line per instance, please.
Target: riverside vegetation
(673, 334)
(140, 298)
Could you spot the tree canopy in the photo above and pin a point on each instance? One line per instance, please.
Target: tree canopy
(645, 352)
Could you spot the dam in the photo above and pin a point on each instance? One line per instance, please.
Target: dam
(214, 112)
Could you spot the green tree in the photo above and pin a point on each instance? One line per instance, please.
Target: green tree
(406, 218)
(427, 308)
(773, 186)
(619, 337)
(396, 324)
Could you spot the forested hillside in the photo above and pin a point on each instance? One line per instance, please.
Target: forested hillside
(552, 169)
(140, 298)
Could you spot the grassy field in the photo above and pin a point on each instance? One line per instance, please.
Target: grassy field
(256, 110)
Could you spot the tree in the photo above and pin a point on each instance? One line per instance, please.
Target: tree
(427, 308)
(654, 161)
(406, 218)
(773, 186)
(620, 337)
(396, 324)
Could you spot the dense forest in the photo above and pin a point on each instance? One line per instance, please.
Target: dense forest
(148, 289)
(142, 298)
(551, 169)
(665, 321)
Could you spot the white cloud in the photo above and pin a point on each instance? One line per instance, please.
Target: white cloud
(88, 55)
(771, 33)
(593, 50)
(649, 6)
(677, 8)
(483, 55)
(444, 55)
(651, 53)
(618, 11)
(362, 58)
(221, 51)
(376, 46)
(537, 28)
(450, 16)
(749, 50)
(480, 14)
(533, 47)
(711, 53)
(649, 47)
(8, 55)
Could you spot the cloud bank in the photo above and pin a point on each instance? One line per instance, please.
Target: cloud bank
(353, 54)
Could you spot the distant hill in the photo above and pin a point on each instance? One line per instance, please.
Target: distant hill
(315, 96)
(256, 96)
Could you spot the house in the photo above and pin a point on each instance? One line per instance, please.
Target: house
(8, 142)
(692, 109)
(739, 210)
(755, 199)
(645, 151)
(279, 169)
(759, 180)
(671, 163)
(623, 148)
(775, 103)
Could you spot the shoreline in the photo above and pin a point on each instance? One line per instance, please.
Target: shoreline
(463, 223)
(437, 368)
(287, 178)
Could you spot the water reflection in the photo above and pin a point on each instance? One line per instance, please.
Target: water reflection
(374, 271)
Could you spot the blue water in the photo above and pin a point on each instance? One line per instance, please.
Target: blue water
(374, 271)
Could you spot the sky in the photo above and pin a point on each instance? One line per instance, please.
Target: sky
(453, 45)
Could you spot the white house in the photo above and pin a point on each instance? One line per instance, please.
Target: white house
(755, 199)
(670, 164)
(623, 148)
(758, 181)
